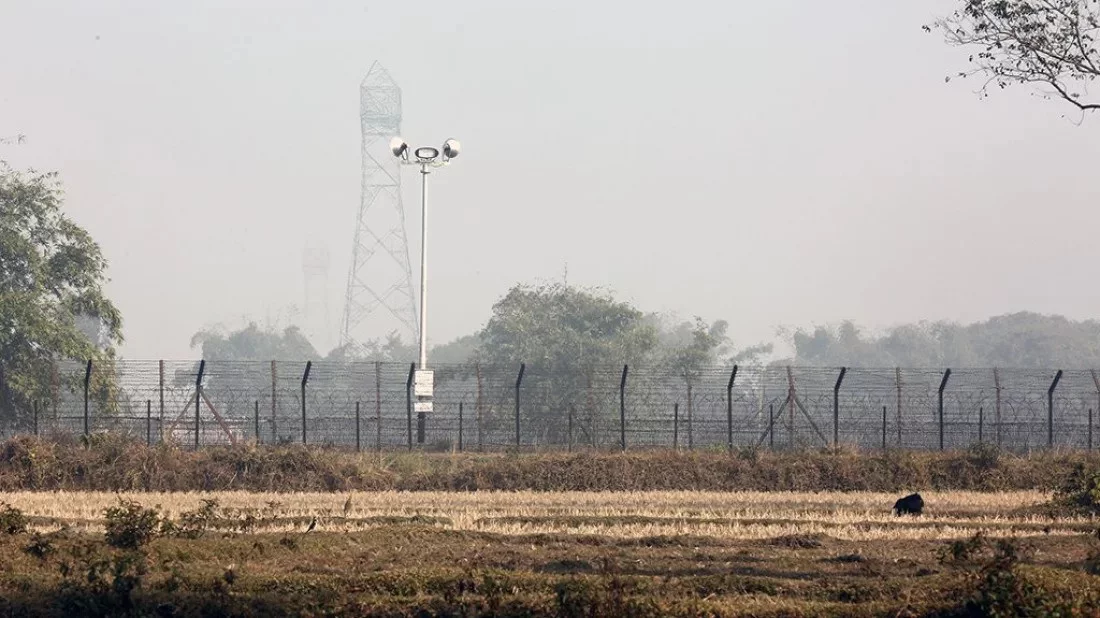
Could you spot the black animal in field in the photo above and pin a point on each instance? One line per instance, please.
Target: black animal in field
(912, 504)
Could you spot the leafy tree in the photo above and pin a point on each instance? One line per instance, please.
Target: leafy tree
(1051, 43)
(566, 328)
(691, 347)
(842, 344)
(462, 350)
(51, 285)
(253, 343)
(565, 335)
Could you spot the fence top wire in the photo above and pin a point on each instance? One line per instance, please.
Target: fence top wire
(359, 379)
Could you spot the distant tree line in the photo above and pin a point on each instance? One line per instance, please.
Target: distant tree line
(1020, 340)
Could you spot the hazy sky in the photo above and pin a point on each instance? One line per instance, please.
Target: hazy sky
(768, 163)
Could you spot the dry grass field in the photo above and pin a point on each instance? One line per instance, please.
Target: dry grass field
(664, 553)
(852, 516)
(120, 529)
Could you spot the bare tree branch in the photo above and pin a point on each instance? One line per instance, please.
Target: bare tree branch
(1051, 42)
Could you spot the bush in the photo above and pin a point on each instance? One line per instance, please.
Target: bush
(1000, 588)
(963, 552)
(193, 524)
(130, 525)
(101, 584)
(40, 546)
(1079, 493)
(12, 520)
(112, 463)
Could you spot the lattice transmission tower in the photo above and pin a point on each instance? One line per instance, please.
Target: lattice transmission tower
(380, 291)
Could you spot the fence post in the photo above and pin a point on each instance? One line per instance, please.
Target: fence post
(1090, 430)
(274, 409)
(1050, 408)
(943, 385)
(148, 422)
(1096, 382)
(981, 424)
(771, 426)
(676, 426)
(460, 426)
(160, 393)
(3, 390)
(691, 418)
(409, 404)
(256, 417)
(36, 418)
(87, 383)
(792, 401)
(997, 403)
(378, 405)
(622, 407)
(358, 443)
(198, 399)
(729, 410)
(572, 411)
(897, 381)
(884, 428)
(836, 407)
(519, 381)
(477, 415)
(421, 426)
(305, 380)
(55, 389)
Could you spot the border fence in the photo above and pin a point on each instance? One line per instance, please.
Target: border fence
(369, 406)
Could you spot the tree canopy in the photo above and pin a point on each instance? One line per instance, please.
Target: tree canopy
(690, 347)
(254, 343)
(565, 327)
(1020, 340)
(1048, 43)
(52, 276)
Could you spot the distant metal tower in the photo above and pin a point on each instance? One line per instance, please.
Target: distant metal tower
(315, 314)
(380, 292)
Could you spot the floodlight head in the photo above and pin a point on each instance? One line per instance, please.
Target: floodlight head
(451, 148)
(426, 153)
(399, 148)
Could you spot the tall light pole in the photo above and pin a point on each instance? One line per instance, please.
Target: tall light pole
(426, 157)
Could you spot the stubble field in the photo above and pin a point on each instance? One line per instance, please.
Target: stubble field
(527, 553)
(294, 531)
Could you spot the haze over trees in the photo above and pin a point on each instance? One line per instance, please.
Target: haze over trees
(574, 332)
(1048, 44)
(53, 308)
(1019, 340)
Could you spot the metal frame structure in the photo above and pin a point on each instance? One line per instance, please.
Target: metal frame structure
(379, 298)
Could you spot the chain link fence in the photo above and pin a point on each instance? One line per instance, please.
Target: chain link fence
(367, 405)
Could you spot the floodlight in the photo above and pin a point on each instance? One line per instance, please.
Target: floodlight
(427, 153)
(451, 148)
(398, 147)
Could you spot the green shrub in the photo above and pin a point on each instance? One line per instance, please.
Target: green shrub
(130, 525)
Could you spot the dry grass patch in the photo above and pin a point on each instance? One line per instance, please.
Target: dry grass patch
(733, 515)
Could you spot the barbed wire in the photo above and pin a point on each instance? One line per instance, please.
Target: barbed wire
(366, 404)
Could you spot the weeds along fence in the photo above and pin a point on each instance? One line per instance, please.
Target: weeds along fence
(368, 405)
